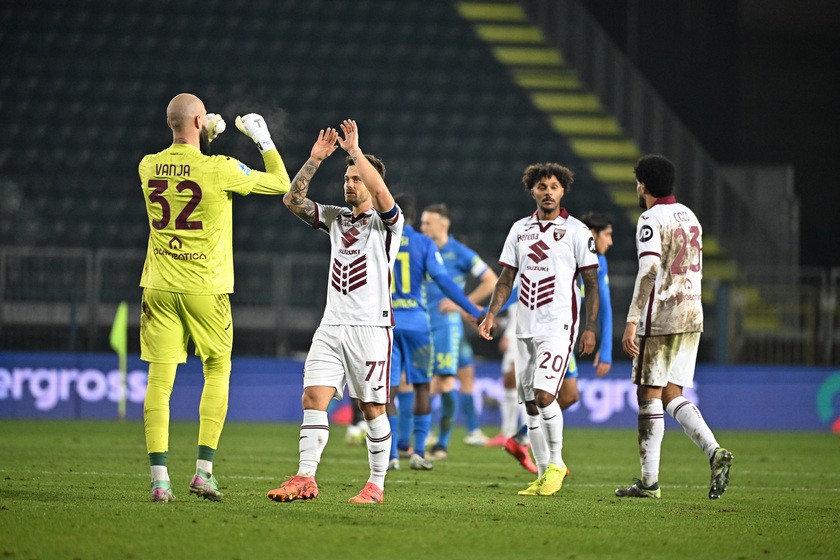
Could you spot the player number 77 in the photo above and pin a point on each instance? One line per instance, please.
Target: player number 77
(373, 366)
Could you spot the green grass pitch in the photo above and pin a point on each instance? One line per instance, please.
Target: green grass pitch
(80, 489)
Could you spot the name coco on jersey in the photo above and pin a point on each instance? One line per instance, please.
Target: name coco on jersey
(181, 256)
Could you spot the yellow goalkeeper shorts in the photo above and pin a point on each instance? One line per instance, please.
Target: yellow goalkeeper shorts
(168, 320)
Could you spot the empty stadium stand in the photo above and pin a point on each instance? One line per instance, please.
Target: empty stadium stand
(87, 84)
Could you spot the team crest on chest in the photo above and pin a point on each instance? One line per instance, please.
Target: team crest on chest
(559, 233)
(350, 237)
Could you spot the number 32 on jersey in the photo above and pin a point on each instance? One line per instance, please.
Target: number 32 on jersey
(182, 221)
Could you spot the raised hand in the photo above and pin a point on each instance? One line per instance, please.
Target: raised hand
(253, 126)
(325, 145)
(215, 125)
(350, 142)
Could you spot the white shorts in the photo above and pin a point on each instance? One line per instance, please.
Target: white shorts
(666, 359)
(358, 356)
(541, 363)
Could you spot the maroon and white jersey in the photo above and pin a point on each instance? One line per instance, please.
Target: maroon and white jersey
(548, 257)
(670, 232)
(363, 249)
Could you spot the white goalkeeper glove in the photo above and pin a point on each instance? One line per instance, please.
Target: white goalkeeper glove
(215, 125)
(253, 126)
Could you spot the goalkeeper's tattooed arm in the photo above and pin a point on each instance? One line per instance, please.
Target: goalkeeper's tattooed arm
(296, 199)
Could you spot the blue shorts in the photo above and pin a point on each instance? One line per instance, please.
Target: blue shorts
(411, 353)
(447, 344)
(573, 371)
(465, 353)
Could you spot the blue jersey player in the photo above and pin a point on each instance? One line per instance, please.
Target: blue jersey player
(418, 259)
(453, 353)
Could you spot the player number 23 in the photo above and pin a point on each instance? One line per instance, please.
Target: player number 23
(679, 266)
(182, 221)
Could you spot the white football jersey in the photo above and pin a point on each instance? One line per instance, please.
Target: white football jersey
(363, 249)
(670, 230)
(548, 257)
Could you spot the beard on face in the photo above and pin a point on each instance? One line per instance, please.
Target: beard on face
(642, 202)
(204, 141)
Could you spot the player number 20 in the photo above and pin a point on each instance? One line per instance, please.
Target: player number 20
(556, 363)
(182, 221)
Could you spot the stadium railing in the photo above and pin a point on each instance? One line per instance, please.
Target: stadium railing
(61, 299)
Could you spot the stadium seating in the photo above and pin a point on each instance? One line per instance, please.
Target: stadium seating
(84, 89)
(88, 85)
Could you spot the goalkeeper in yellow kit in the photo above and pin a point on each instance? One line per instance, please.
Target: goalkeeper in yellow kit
(188, 274)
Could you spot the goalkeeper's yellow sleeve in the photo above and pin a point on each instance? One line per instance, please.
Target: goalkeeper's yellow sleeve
(275, 179)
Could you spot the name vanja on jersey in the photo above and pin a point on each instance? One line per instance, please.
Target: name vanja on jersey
(548, 257)
(363, 249)
(672, 232)
(189, 204)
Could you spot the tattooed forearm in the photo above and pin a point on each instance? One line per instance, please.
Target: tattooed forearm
(300, 184)
(296, 199)
(592, 299)
(501, 292)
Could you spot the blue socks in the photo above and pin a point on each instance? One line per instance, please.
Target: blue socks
(467, 403)
(405, 406)
(448, 407)
(393, 421)
(422, 423)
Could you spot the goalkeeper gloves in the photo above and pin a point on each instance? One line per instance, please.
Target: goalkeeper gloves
(253, 126)
(215, 125)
